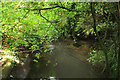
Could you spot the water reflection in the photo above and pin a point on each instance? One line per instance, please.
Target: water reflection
(66, 61)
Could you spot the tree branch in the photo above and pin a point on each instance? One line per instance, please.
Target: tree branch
(21, 18)
(44, 8)
(57, 7)
(55, 21)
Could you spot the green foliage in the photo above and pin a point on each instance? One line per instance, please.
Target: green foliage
(96, 56)
(35, 60)
(19, 27)
(33, 25)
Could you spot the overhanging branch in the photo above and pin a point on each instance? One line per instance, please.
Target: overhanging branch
(55, 21)
(57, 7)
(44, 8)
(43, 16)
(21, 19)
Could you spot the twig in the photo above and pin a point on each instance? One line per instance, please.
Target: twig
(19, 4)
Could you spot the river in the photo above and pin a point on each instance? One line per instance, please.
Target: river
(66, 61)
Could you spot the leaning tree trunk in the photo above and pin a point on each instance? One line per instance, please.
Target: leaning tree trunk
(100, 40)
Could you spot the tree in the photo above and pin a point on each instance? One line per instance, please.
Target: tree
(100, 41)
(119, 40)
(32, 25)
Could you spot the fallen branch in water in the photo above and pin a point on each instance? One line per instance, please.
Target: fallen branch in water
(21, 52)
(29, 50)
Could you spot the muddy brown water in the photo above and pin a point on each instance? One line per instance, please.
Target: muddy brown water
(72, 61)
(66, 61)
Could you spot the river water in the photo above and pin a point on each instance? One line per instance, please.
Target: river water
(66, 61)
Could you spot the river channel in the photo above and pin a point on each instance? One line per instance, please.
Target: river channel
(66, 61)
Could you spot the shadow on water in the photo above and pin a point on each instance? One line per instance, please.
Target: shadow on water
(41, 69)
(66, 61)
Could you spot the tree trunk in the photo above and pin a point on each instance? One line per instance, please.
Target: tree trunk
(119, 39)
(100, 40)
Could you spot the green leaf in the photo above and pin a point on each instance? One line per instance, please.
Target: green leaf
(35, 60)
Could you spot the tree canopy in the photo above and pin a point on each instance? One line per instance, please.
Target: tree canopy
(31, 25)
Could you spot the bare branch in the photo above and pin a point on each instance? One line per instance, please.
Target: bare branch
(44, 8)
(55, 21)
(43, 16)
(56, 7)
(21, 19)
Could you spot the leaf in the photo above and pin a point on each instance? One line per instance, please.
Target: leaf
(35, 60)
(45, 50)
